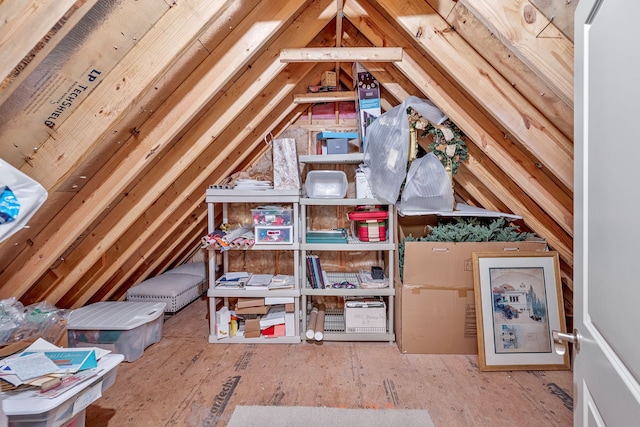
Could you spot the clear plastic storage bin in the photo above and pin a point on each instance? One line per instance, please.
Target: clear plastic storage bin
(272, 215)
(124, 327)
(274, 235)
(326, 184)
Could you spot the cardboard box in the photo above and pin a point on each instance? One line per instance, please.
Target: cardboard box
(435, 307)
(328, 79)
(367, 100)
(249, 302)
(435, 321)
(259, 309)
(252, 327)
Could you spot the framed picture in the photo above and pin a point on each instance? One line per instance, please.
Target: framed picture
(518, 303)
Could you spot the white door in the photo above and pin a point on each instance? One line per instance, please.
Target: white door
(607, 212)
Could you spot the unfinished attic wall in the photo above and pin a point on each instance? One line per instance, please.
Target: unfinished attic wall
(315, 119)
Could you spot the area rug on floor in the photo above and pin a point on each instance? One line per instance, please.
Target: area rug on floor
(307, 416)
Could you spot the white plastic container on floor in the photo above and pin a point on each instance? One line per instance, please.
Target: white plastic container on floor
(27, 409)
(126, 327)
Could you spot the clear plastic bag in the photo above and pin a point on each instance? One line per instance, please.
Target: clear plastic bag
(23, 198)
(388, 146)
(428, 186)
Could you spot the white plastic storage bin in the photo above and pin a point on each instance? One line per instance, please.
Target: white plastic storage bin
(326, 184)
(26, 408)
(126, 327)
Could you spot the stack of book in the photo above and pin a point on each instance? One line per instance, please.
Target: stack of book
(316, 277)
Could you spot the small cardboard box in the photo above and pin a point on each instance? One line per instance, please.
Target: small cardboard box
(258, 309)
(249, 302)
(435, 309)
(252, 327)
(328, 79)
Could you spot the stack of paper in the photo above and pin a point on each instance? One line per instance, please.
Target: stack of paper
(259, 282)
(236, 280)
(282, 281)
(47, 366)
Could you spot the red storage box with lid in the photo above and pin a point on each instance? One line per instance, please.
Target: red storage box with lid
(370, 225)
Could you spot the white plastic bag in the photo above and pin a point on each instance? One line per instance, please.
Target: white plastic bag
(388, 146)
(23, 197)
(428, 187)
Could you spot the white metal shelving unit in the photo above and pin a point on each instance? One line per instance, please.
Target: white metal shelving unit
(334, 319)
(224, 197)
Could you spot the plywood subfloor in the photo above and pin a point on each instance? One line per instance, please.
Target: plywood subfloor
(185, 381)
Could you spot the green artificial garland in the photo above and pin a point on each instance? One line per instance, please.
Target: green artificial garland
(445, 137)
(467, 229)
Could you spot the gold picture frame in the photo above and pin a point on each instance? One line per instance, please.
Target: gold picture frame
(518, 297)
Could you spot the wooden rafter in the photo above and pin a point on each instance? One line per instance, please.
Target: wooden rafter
(310, 54)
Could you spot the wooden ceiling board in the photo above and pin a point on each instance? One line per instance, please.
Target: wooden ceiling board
(531, 37)
(165, 173)
(196, 94)
(489, 88)
(521, 77)
(149, 149)
(561, 13)
(475, 125)
(55, 117)
(24, 24)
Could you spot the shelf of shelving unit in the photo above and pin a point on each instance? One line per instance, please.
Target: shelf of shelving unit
(334, 329)
(334, 319)
(224, 197)
(320, 159)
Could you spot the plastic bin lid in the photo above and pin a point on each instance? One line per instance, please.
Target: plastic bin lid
(115, 315)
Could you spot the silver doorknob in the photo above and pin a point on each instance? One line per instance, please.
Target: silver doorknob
(559, 339)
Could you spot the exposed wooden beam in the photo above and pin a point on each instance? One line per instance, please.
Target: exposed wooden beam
(14, 42)
(532, 38)
(24, 24)
(341, 54)
(202, 147)
(525, 124)
(522, 78)
(158, 132)
(468, 117)
(314, 98)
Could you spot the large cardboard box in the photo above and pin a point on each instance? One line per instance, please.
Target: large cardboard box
(435, 309)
